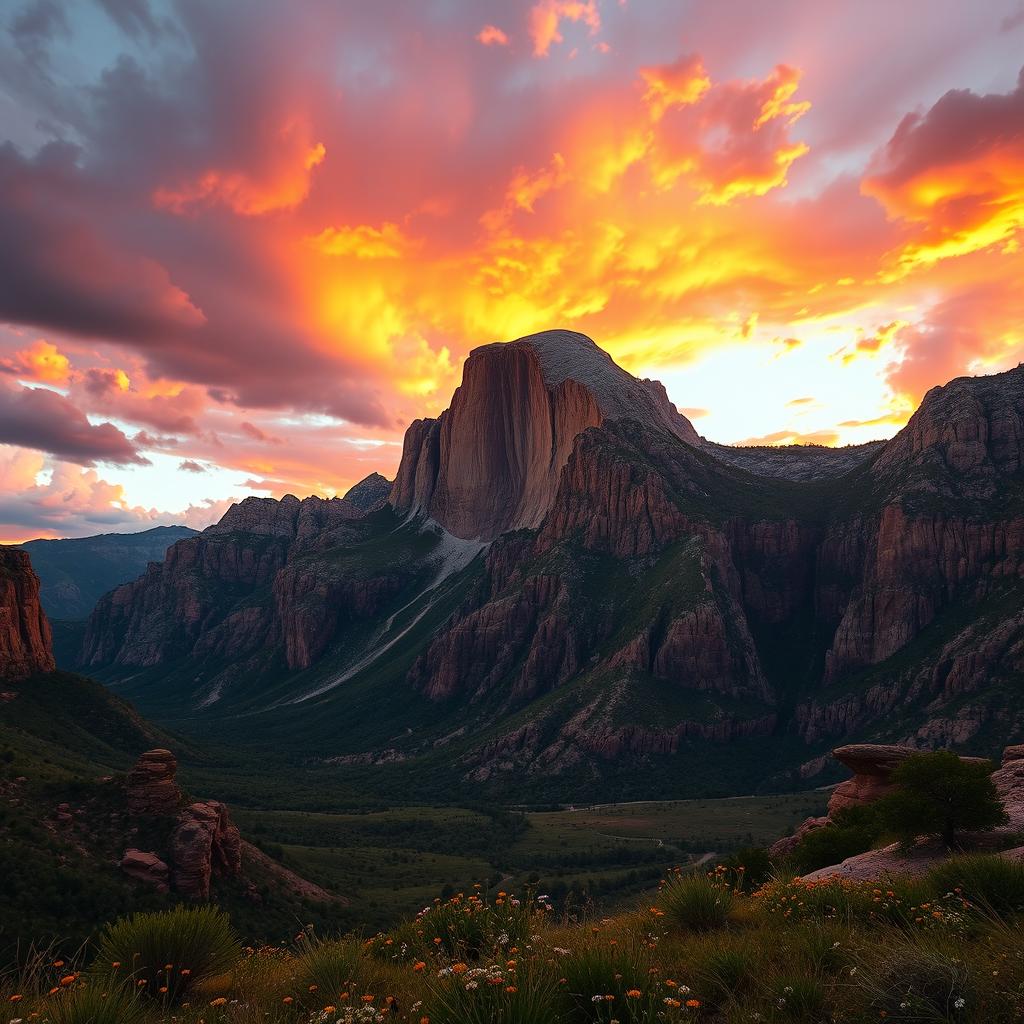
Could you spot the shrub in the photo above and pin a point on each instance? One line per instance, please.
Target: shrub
(993, 883)
(97, 1003)
(696, 902)
(853, 830)
(938, 794)
(166, 953)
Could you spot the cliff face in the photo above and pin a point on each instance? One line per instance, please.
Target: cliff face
(25, 644)
(491, 462)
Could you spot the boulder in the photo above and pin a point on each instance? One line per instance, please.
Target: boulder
(1013, 753)
(1009, 782)
(151, 785)
(889, 861)
(145, 866)
(205, 844)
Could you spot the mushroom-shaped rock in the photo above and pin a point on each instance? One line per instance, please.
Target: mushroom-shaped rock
(145, 866)
(151, 785)
(872, 765)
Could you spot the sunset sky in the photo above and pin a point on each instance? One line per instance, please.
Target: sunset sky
(244, 242)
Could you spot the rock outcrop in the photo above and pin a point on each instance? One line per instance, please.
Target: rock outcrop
(146, 867)
(202, 844)
(25, 642)
(152, 788)
(205, 844)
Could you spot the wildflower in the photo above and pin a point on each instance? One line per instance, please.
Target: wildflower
(68, 979)
(692, 1003)
(185, 971)
(633, 993)
(418, 966)
(219, 1001)
(288, 1000)
(511, 988)
(674, 1003)
(459, 968)
(58, 963)
(367, 998)
(15, 999)
(959, 1002)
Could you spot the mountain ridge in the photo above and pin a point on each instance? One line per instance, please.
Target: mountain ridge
(635, 595)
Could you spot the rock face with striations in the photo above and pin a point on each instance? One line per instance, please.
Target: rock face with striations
(25, 644)
(492, 461)
(205, 844)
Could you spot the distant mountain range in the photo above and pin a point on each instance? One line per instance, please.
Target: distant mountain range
(75, 573)
(568, 592)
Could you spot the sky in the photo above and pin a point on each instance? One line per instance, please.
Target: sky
(243, 243)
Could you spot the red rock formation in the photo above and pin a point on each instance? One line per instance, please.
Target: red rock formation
(151, 785)
(25, 645)
(492, 461)
(205, 844)
(146, 867)
(787, 844)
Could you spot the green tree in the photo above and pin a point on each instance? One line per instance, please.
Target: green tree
(938, 794)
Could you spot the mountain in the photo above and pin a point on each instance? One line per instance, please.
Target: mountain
(571, 593)
(75, 573)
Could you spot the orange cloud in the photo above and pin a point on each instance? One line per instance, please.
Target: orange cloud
(491, 35)
(955, 175)
(363, 241)
(283, 187)
(41, 361)
(545, 18)
(675, 85)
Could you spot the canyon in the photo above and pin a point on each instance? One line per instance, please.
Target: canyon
(565, 579)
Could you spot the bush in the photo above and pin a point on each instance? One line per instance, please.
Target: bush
(696, 902)
(992, 883)
(166, 953)
(938, 794)
(853, 830)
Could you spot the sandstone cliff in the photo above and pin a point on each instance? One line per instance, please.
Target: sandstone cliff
(25, 644)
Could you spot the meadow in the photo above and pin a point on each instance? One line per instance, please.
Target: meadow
(389, 861)
(707, 947)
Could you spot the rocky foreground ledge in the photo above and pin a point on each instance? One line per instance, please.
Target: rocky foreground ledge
(872, 765)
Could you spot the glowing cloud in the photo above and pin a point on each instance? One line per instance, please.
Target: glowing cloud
(545, 18)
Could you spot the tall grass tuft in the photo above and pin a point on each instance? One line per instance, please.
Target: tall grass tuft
(330, 970)
(95, 1003)
(696, 902)
(993, 884)
(164, 954)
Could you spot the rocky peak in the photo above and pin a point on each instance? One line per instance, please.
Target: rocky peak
(287, 518)
(370, 491)
(965, 433)
(491, 462)
(25, 643)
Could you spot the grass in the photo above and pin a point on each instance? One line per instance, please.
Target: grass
(509, 960)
